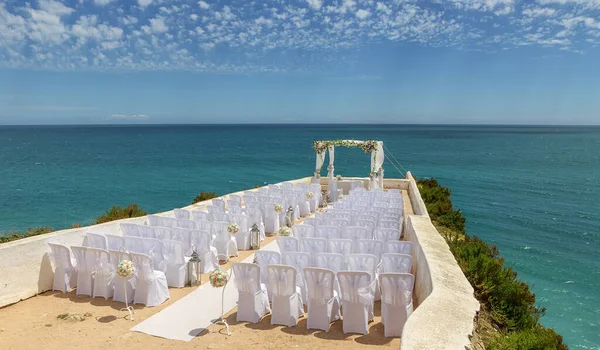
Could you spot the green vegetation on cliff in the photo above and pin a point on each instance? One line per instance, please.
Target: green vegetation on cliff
(204, 196)
(117, 213)
(13, 236)
(508, 302)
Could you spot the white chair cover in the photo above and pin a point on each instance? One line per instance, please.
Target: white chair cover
(129, 229)
(389, 224)
(122, 293)
(214, 209)
(356, 233)
(236, 210)
(300, 261)
(323, 301)
(396, 301)
(65, 271)
(224, 242)
(204, 225)
(344, 247)
(399, 247)
(242, 237)
(311, 221)
(256, 217)
(200, 215)
(368, 224)
(183, 235)
(271, 218)
(185, 223)
(370, 246)
(95, 240)
(146, 231)
(396, 263)
(162, 233)
(253, 302)
(328, 232)
(207, 253)
(287, 298)
(151, 288)
(387, 234)
(303, 231)
(219, 202)
(181, 214)
(263, 259)
(313, 246)
(177, 273)
(331, 261)
(154, 249)
(367, 263)
(357, 300)
(288, 244)
(220, 217)
(104, 273)
(85, 265)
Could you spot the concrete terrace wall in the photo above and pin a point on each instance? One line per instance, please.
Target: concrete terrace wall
(25, 266)
(446, 305)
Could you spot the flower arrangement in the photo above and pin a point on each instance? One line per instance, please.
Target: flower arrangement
(233, 228)
(309, 195)
(320, 146)
(278, 208)
(285, 231)
(339, 177)
(369, 146)
(340, 197)
(322, 210)
(125, 268)
(218, 278)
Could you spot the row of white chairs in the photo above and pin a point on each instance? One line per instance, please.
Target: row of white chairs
(355, 307)
(93, 272)
(306, 230)
(167, 255)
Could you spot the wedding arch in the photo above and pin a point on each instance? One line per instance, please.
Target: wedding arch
(373, 147)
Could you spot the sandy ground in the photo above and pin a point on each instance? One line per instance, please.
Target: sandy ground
(33, 324)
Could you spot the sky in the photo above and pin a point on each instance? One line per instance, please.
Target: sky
(301, 61)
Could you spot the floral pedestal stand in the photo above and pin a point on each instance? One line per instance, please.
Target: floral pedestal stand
(126, 269)
(127, 307)
(222, 319)
(219, 278)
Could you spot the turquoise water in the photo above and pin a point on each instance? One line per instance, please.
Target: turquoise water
(533, 191)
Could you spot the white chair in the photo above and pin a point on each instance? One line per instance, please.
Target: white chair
(207, 253)
(200, 215)
(155, 220)
(186, 223)
(370, 246)
(176, 273)
(331, 261)
(154, 249)
(399, 247)
(104, 273)
(95, 240)
(265, 258)
(311, 221)
(323, 301)
(389, 224)
(300, 261)
(356, 233)
(146, 231)
(339, 222)
(115, 242)
(181, 214)
(328, 232)
(85, 265)
(65, 268)
(151, 286)
(162, 233)
(129, 229)
(357, 300)
(396, 263)
(288, 244)
(122, 293)
(224, 242)
(387, 234)
(303, 231)
(256, 218)
(204, 225)
(344, 247)
(220, 217)
(214, 209)
(242, 237)
(236, 210)
(367, 263)
(287, 297)
(183, 235)
(368, 224)
(313, 246)
(253, 301)
(219, 202)
(396, 301)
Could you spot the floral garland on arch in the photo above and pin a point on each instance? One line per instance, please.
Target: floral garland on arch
(367, 146)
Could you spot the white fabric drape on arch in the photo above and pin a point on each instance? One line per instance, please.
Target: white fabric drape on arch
(320, 161)
(331, 160)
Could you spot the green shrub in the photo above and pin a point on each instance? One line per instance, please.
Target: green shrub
(117, 213)
(15, 235)
(439, 205)
(204, 196)
(537, 338)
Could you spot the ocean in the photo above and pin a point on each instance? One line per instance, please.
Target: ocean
(532, 191)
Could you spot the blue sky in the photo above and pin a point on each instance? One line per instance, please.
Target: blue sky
(275, 61)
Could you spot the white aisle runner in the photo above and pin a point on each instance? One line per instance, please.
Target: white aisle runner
(189, 316)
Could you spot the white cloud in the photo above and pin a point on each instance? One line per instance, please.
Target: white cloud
(539, 12)
(362, 14)
(315, 4)
(203, 5)
(158, 25)
(102, 2)
(55, 7)
(144, 3)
